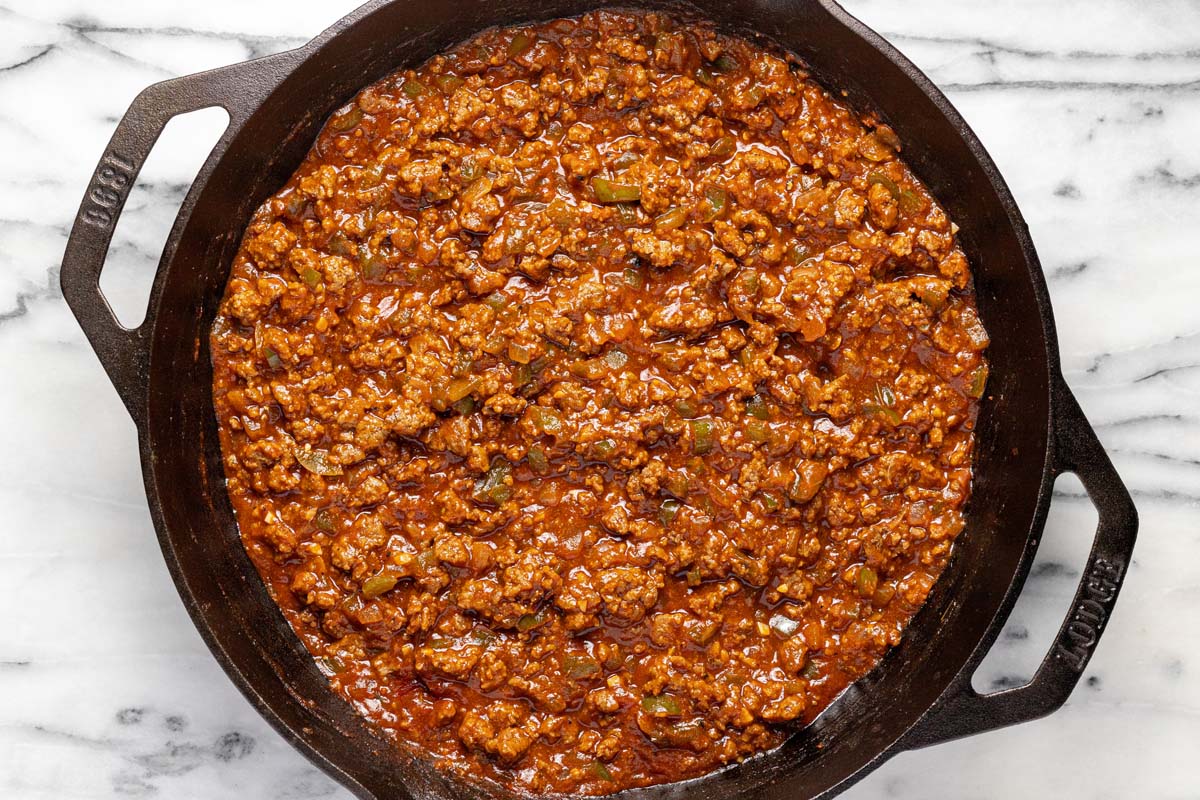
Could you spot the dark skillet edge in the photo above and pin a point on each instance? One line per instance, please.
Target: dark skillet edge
(908, 740)
(928, 730)
(1045, 311)
(1072, 447)
(913, 738)
(239, 109)
(275, 69)
(129, 370)
(315, 755)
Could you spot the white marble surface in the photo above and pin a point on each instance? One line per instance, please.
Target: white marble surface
(106, 690)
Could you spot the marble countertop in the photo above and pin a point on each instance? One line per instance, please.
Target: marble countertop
(107, 691)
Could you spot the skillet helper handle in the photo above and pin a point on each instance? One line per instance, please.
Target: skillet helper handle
(963, 711)
(124, 352)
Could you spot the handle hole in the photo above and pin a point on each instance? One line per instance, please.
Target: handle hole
(1049, 589)
(150, 211)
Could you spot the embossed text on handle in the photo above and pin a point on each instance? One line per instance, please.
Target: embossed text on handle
(1090, 612)
(110, 186)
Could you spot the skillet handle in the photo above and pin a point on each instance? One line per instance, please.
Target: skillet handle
(962, 711)
(124, 352)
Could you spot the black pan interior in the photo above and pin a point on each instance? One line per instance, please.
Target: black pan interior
(184, 472)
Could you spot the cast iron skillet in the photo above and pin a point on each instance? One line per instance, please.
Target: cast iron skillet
(1030, 428)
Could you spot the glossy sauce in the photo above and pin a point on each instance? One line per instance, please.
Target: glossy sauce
(597, 400)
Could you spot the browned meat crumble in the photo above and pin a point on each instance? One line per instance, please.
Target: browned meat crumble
(597, 400)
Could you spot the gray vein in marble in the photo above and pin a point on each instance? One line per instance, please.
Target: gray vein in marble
(1064, 271)
(22, 299)
(171, 759)
(1016, 632)
(1052, 85)
(1191, 462)
(1176, 341)
(1140, 419)
(1164, 176)
(1067, 190)
(40, 54)
(86, 31)
(989, 47)
(1165, 371)
(84, 37)
(1140, 496)
(256, 46)
(144, 194)
(1052, 569)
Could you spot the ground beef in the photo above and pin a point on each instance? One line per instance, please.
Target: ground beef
(597, 400)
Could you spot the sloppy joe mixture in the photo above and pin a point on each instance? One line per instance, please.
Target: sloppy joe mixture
(597, 400)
